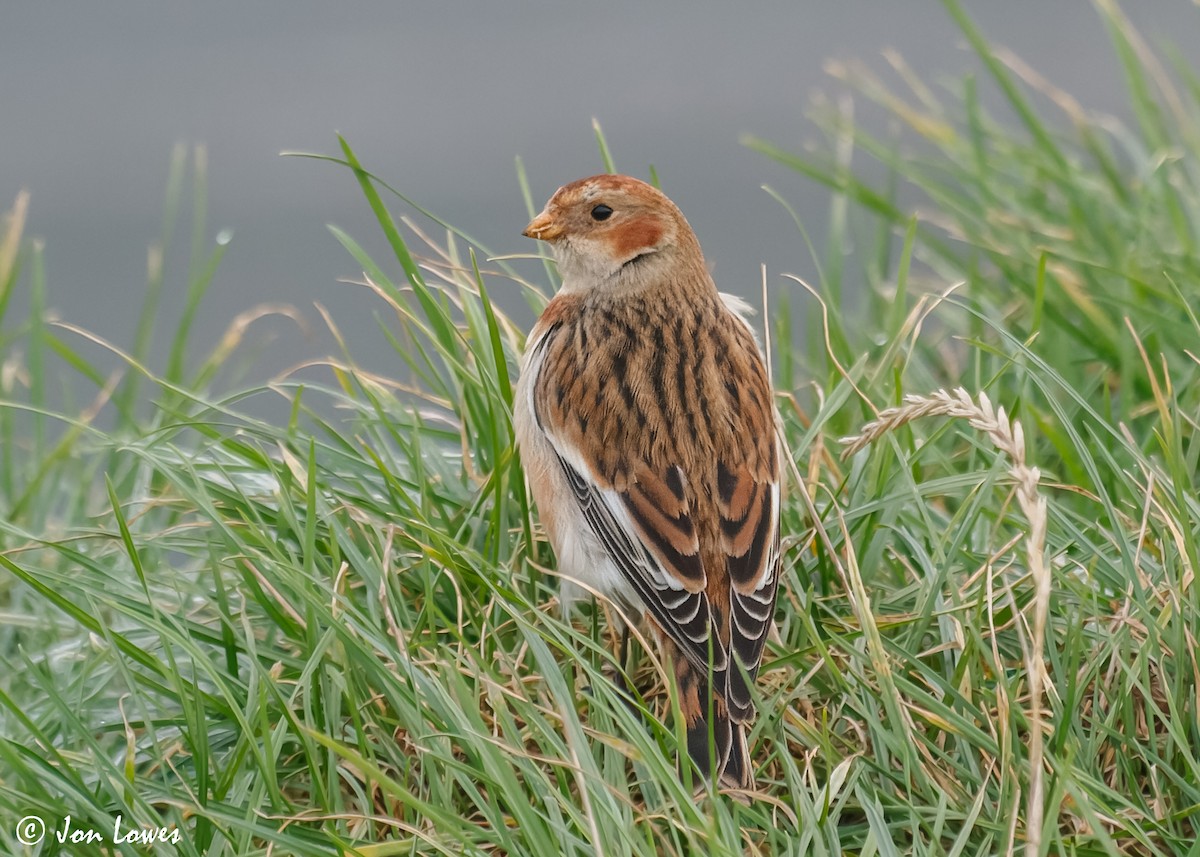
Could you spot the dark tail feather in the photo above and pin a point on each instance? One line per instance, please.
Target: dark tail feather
(737, 773)
(727, 754)
(710, 753)
(714, 742)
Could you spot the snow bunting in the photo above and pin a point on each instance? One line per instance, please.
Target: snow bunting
(646, 425)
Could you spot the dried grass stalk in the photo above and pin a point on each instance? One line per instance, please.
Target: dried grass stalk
(1007, 436)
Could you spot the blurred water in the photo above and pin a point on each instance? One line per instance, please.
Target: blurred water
(438, 97)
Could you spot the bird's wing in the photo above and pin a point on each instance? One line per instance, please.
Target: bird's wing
(658, 554)
(640, 517)
(660, 512)
(748, 505)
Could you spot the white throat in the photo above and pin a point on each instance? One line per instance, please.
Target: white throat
(582, 265)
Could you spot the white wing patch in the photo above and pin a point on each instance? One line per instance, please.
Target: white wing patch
(684, 615)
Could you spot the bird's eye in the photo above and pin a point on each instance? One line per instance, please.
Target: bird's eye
(601, 212)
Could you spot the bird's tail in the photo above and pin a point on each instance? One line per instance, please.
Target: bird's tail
(715, 742)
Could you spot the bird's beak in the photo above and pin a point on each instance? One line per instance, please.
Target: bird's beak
(543, 228)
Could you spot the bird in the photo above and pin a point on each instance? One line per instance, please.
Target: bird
(645, 421)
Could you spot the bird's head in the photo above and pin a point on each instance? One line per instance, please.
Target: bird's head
(615, 232)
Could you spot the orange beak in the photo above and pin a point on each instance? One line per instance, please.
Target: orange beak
(543, 228)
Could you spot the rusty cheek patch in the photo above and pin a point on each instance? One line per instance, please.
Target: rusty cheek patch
(635, 237)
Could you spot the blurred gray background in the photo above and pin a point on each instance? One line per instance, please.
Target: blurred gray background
(439, 97)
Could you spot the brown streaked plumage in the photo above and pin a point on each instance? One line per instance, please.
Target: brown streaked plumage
(646, 425)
